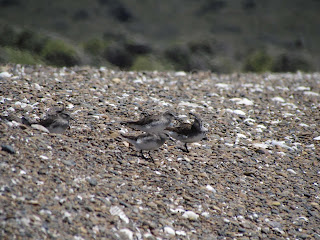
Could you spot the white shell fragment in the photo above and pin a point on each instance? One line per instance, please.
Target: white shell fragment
(190, 215)
(115, 210)
(169, 230)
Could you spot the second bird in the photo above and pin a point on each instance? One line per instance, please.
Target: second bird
(188, 133)
(146, 141)
(152, 123)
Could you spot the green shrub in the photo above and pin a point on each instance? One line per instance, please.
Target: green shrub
(180, 56)
(149, 63)
(95, 46)
(3, 56)
(18, 56)
(289, 62)
(258, 61)
(118, 55)
(8, 36)
(30, 40)
(59, 53)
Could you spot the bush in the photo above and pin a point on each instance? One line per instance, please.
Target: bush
(118, 55)
(3, 56)
(180, 56)
(149, 63)
(8, 36)
(204, 46)
(138, 47)
(95, 46)
(292, 63)
(21, 57)
(58, 53)
(258, 61)
(31, 41)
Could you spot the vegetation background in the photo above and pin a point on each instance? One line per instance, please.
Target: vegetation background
(218, 35)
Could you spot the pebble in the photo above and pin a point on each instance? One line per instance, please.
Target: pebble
(8, 148)
(5, 75)
(69, 162)
(126, 234)
(190, 215)
(169, 231)
(255, 176)
(93, 181)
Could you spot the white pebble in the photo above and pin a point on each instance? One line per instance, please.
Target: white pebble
(128, 233)
(240, 135)
(303, 218)
(249, 121)
(316, 138)
(210, 188)
(169, 231)
(242, 101)
(181, 233)
(291, 171)
(70, 106)
(190, 215)
(261, 145)
(205, 214)
(278, 99)
(180, 74)
(115, 210)
(36, 86)
(309, 93)
(5, 75)
(239, 112)
(177, 210)
(302, 88)
(96, 230)
(223, 86)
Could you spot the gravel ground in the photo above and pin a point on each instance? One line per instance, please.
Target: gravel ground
(256, 177)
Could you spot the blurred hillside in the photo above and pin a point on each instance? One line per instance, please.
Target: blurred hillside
(216, 35)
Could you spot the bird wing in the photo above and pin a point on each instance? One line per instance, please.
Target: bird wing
(183, 128)
(46, 122)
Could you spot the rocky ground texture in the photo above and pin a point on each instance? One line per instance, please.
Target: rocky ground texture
(256, 177)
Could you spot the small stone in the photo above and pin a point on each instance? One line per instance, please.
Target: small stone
(8, 148)
(93, 181)
(314, 204)
(274, 203)
(116, 80)
(190, 215)
(42, 171)
(211, 189)
(126, 234)
(169, 230)
(5, 75)
(69, 162)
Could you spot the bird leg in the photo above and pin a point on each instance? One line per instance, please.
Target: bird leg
(185, 149)
(144, 157)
